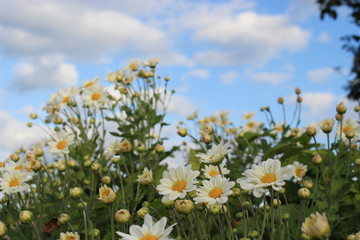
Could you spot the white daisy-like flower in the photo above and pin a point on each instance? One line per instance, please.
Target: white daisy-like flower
(152, 62)
(216, 153)
(348, 125)
(146, 177)
(134, 65)
(252, 126)
(278, 128)
(21, 165)
(216, 190)
(95, 97)
(53, 108)
(299, 171)
(327, 125)
(247, 116)
(69, 236)
(60, 143)
(3, 164)
(213, 170)
(91, 82)
(14, 182)
(266, 174)
(114, 148)
(296, 132)
(149, 231)
(177, 182)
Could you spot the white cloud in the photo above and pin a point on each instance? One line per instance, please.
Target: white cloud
(229, 77)
(198, 73)
(320, 75)
(324, 37)
(15, 133)
(271, 77)
(301, 10)
(181, 105)
(43, 72)
(248, 37)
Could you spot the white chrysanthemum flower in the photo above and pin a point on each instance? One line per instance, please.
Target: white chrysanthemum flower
(21, 165)
(216, 153)
(146, 177)
(2, 165)
(348, 125)
(60, 143)
(53, 108)
(247, 116)
(266, 174)
(152, 62)
(212, 170)
(316, 226)
(91, 82)
(114, 148)
(177, 182)
(299, 171)
(69, 236)
(95, 97)
(278, 128)
(253, 126)
(14, 182)
(149, 231)
(296, 132)
(327, 125)
(216, 190)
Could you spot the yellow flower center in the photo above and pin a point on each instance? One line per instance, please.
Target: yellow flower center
(61, 145)
(27, 169)
(347, 128)
(66, 99)
(18, 167)
(70, 238)
(95, 96)
(212, 156)
(89, 84)
(250, 124)
(213, 173)
(1, 164)
(179, 186)
(279, 129)
(216, 192)
(149, 237)
(268, 178)
(54, 109)
(298, 172)
(14, 183)
(105, 193)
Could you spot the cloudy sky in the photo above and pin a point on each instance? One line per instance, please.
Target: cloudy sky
(235, 55)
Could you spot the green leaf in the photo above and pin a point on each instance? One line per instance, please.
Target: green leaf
(193, 160)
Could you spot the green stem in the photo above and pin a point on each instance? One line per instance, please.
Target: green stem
(36, 231)
(112, 221)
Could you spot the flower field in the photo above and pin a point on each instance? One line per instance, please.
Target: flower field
(102, 171)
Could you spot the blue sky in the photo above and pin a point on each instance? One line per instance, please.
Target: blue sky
(235, 55)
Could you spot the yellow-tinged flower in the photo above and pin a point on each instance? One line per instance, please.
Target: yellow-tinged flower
(316, 226)
(216, 190)
(349, 125)
(266, 174)
(213, 170)
(3, 229)
(299, 171)
(148, 231)
(69, 236)
(14, 182)
(25, 216)
(146, 178)
(177, 182)
(327, 125)
(216, 153)
(247, 116)
(91, 82)
(95, 97)
(60, 143)
(122, 216)
(107, 195)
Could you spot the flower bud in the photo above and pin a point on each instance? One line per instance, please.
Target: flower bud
(357, 109)
(35, 165)
(87, 163)
(317, 159)
(107, 195)
(106, 180)
(253, 234)
(125, 146)
(30, 156)
(349, 134)
(169, 204)
(76, 192)
(29, 124)
(280, 100)
(3, 229)
(215, 209)
(193, 194)
(357, 161)
(206, 138)
(303, 193)
(184, 206)
(63, 219)
(167, 78)
(239, 215)
(311, 131)
(282, 191)
(297, 91)
(182, 132)
(146, 178)
(15, 157)
(236, 192)
(285, 217)
(122, 216)
(80, 206)
(96, 168)
(308, 184)
(159, 148)
(246, 205)
(351, 237)
(340, 108)
(316, 226)
(339, 117)
(353, 147)
(95, 232)
(38, 151)
(305, 237)
(200, 206)
(33, 116)
(142, 212)
(299, 99)
(25, 216)
(4, 199)
(277, 203)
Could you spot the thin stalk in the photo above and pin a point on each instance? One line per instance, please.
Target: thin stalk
(36, 230)
(111, 208)
(264, 220)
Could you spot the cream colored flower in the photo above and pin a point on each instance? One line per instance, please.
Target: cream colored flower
(91, 82)
(216, 153)
(14, 182)
(177, 182)
(152, 62)
(216, 190)
(266, 174)
(107, 195)
(148, 231)
(247, 116)
(299, 171)
(348, 125)
(21, 165)
(69, 236)
(327, 125)
(316, 226)
(95, 97)
(253, 126)
(60, 143)
(278, 128)
(146, 178)
(212, 170)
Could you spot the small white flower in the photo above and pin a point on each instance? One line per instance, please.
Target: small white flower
(212, 170)
(61, 142)
(95, 97)
(177, 182)
(348, 125)
(266, 174)
(152, 62)
(216, 153)
(216, 190)
(146, 178)
(149, 231)
(91, 82)
(278, 128)
(253, 126)
(69, 236)
(247, 116)
(21, 165)
(14, 182)
(299, 171)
